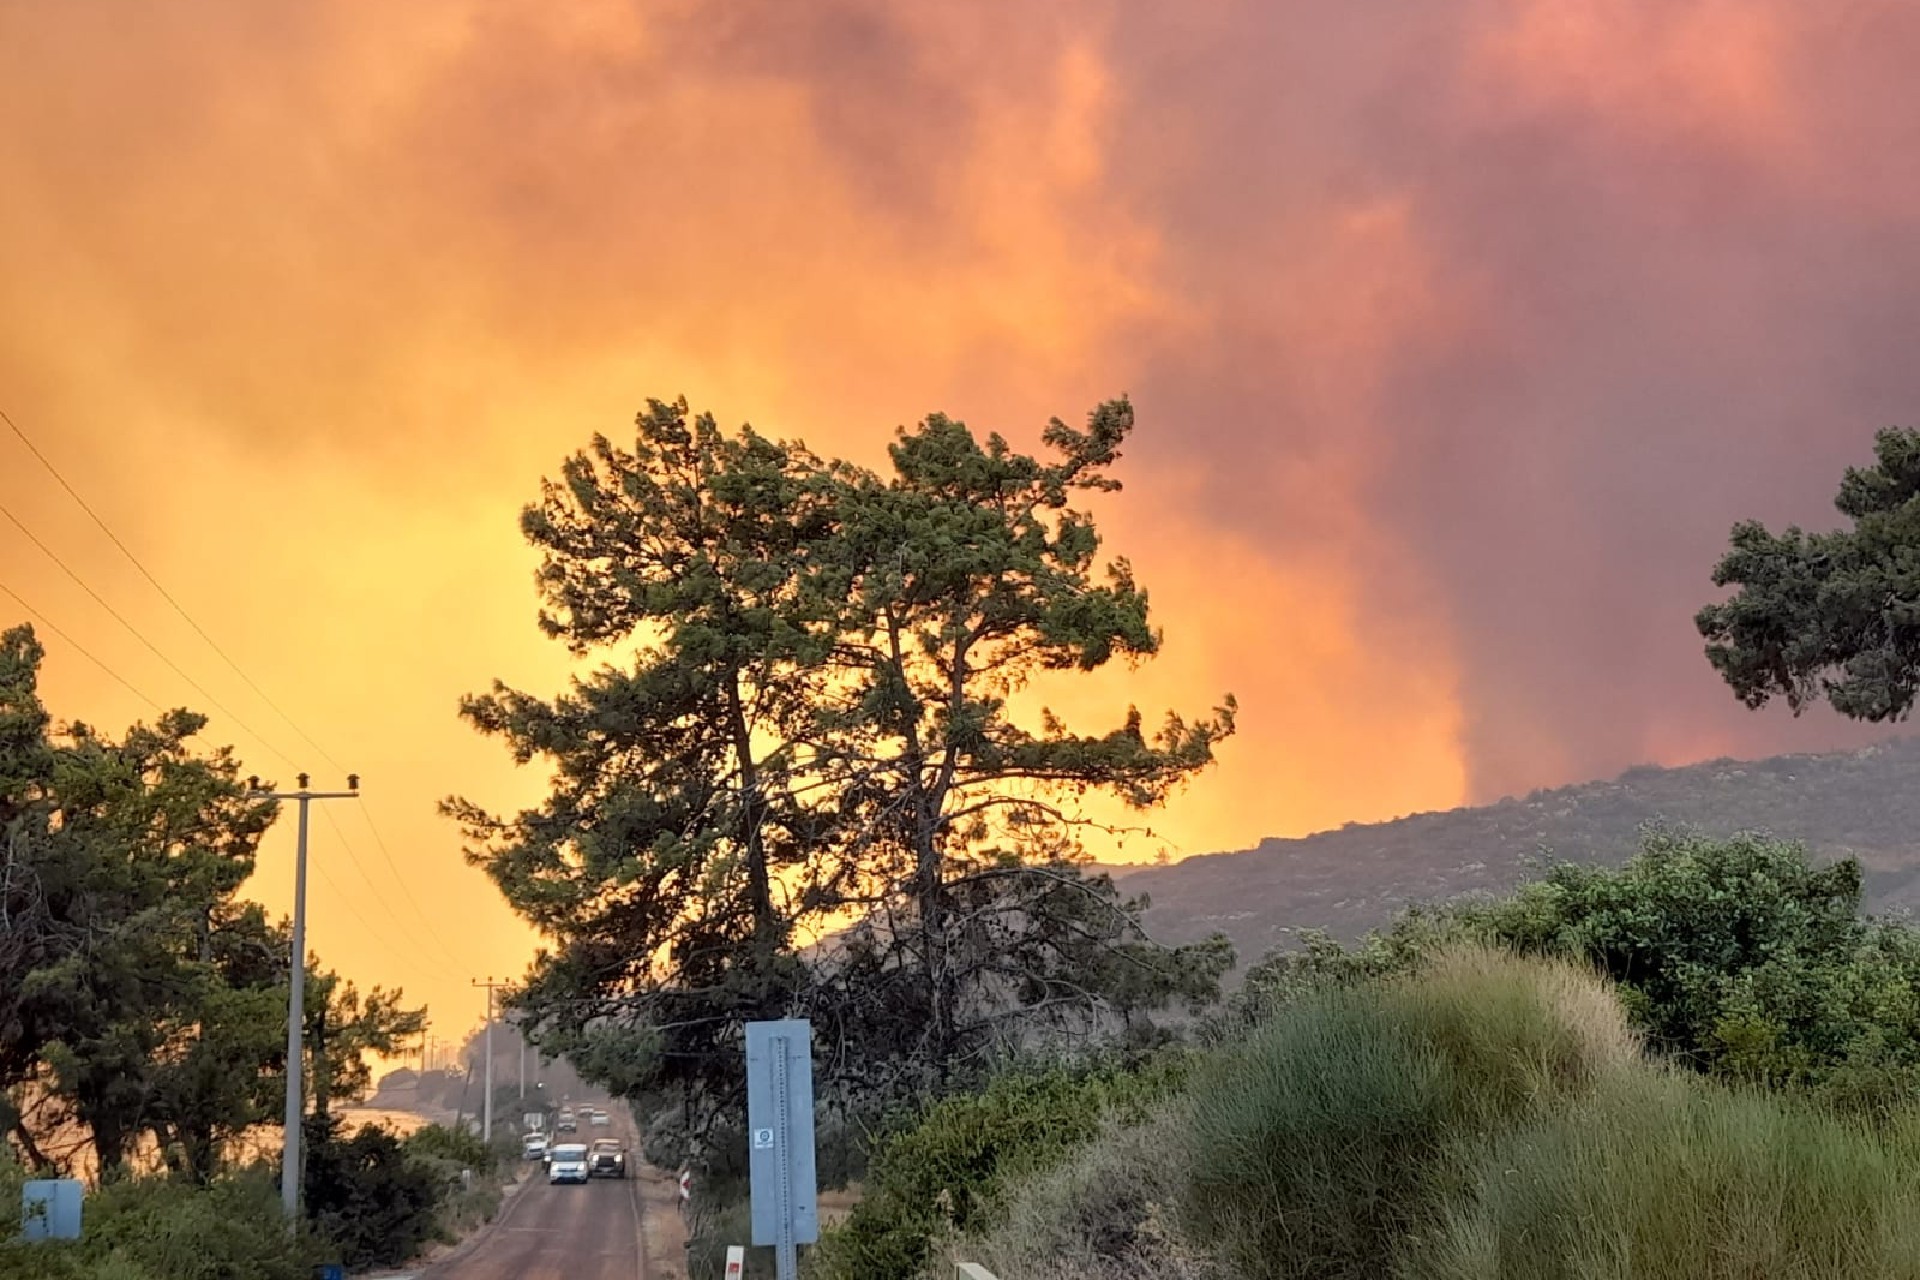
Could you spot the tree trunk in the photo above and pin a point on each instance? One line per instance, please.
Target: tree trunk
(941, 1014)
(752, 839)
(35, 1156)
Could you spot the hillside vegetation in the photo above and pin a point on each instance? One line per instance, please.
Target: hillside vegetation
(1490, 1118)
(1863, 804)
(1703, 1064)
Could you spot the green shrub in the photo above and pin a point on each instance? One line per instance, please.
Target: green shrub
(1664, 1178)
(1331, 1136)
(459, 1147)
(229, 1229)
(1740, 958)
(1104, 1214)
(375, 1204)
(945, 1174)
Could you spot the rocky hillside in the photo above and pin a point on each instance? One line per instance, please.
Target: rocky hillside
(1864, 803)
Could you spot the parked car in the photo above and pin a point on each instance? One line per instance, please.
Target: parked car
(568, 1163)
(535, 1147)
(607, 1159)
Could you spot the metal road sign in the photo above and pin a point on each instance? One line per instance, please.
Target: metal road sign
(780, 1123)
(50, 1209)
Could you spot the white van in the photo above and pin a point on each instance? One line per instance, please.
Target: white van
(568, 1163)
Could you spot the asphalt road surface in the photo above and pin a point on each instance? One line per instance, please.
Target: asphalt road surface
(568, 1232)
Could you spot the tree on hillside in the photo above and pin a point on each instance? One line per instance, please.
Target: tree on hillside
(221, 1068)
(1829, 615)
(812, 731)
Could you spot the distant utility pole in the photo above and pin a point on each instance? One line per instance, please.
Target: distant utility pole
(426, 1044)
(486, 1125)
(297, 983)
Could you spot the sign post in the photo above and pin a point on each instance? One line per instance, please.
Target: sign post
(780, 1139)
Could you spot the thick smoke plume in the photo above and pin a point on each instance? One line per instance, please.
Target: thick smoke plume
(1460, 334)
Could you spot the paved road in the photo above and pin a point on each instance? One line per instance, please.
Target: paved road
(569, 1232)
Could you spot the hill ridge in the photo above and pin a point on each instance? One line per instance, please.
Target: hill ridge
(1863, 802)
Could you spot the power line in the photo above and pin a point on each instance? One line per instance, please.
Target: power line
(366, 813)
(164, 593)
(347, 900)
(78, 647)
(450, 968)
(352, 857)
(381, 842)
(141, 637)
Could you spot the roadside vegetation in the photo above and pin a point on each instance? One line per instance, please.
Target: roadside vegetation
(1464, 1099)
(143, 1022)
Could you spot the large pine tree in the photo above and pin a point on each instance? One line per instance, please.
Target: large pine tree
(805, 786)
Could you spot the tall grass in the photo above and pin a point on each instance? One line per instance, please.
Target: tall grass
(1336, 1133)
(1663, 1178)
(1488, 1118)
(1103, 1215)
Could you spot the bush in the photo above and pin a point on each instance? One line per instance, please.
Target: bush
(162, 1228)
(468, 1173)
(1739, 958)
(945, 1174)
(1332, 1135)
(459, 1148)
(365, 1195)
(1668, 1179)
(1102, 1215)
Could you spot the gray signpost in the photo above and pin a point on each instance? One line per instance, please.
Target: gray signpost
(780, 1139)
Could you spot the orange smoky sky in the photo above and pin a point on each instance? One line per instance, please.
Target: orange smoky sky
(1459, 335)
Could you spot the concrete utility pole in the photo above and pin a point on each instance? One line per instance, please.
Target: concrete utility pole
(486, 1125)
(297, 983)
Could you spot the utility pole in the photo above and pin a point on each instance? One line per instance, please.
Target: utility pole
(426, 1044)
(486, 1125)
(297, 983)
(523, 1061)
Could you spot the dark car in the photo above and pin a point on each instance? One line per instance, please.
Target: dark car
(606, 1159)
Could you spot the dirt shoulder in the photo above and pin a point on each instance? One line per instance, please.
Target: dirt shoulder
(661, 1227)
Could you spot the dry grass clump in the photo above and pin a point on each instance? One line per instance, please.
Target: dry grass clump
(1488, 1118)
(1104, 1215)
(1665, 1178)
(1340, 1129)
